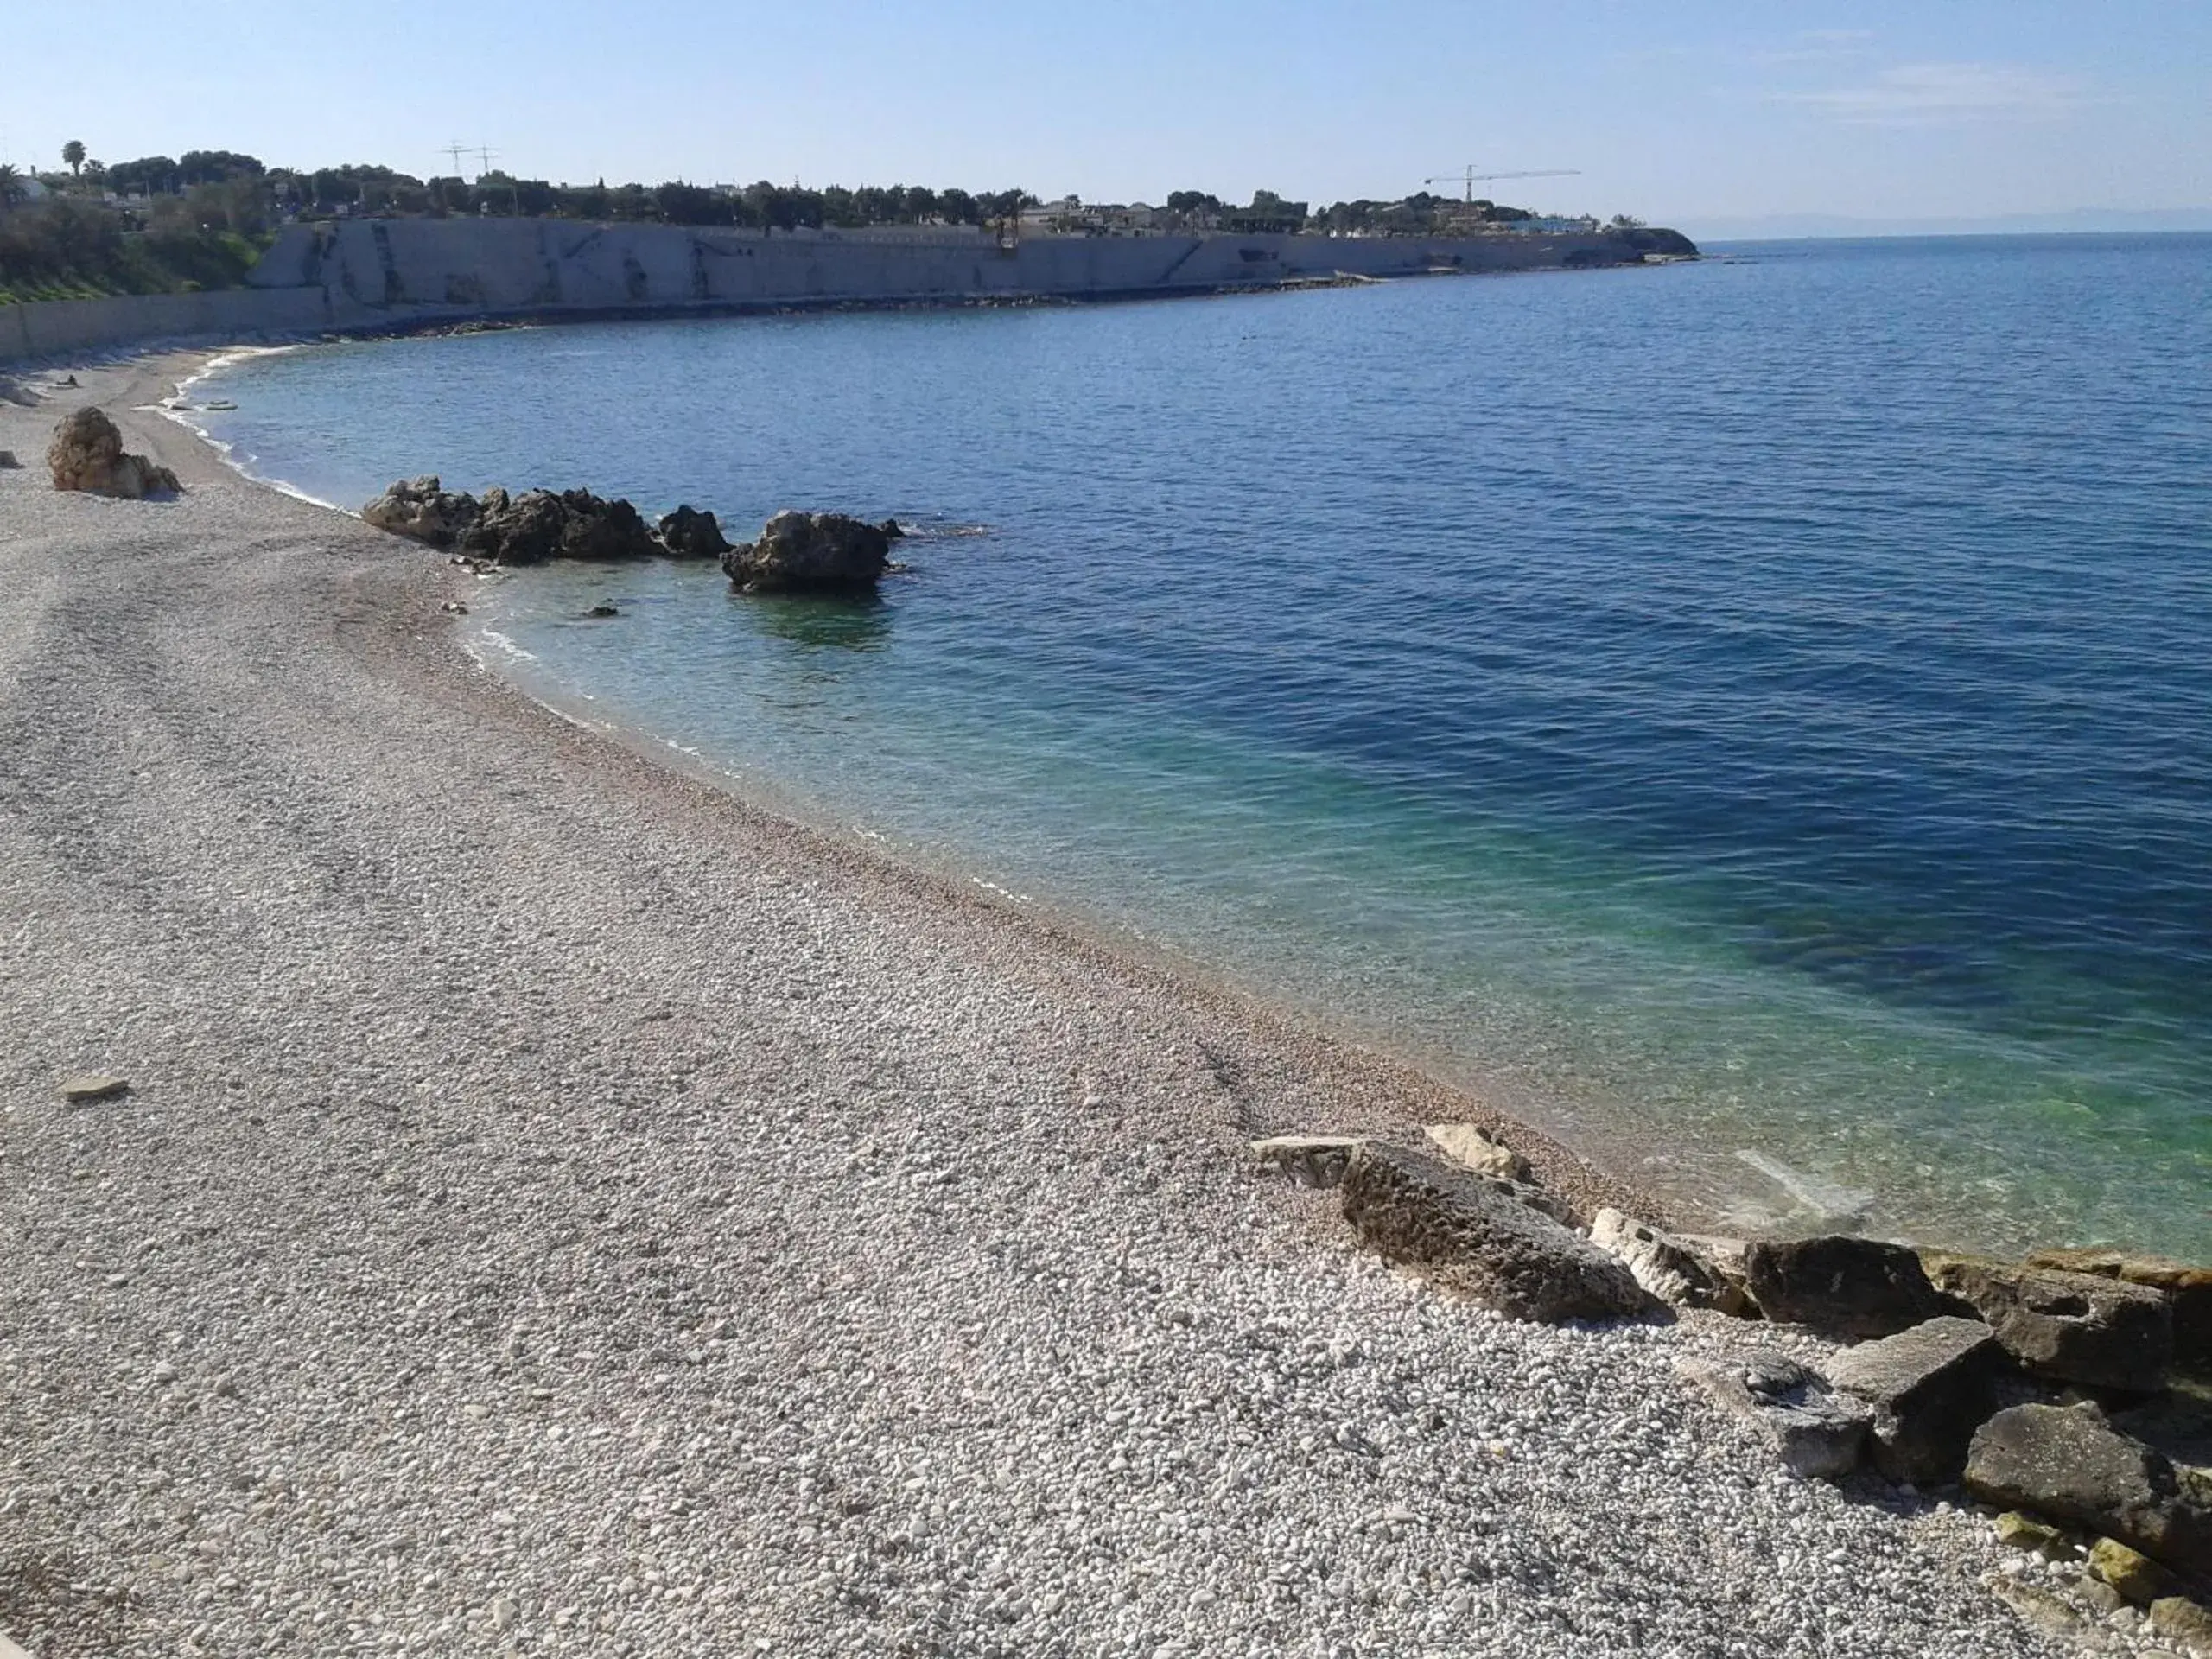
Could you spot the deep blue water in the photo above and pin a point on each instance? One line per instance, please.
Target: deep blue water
(1753, 717)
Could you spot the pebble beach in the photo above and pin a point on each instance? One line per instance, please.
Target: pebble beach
(561, 1207)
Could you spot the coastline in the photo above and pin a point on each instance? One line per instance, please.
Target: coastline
(546, 1173)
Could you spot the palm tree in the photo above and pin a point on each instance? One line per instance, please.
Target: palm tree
(73, 156)
(11, 187)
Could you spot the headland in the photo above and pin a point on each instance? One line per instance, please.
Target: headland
(400, 274)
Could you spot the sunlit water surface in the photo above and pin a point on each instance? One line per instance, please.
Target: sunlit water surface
(1753, 718)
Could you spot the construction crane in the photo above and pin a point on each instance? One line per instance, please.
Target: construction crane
(1469, 178)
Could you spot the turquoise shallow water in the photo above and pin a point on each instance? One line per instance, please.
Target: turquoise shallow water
(1754, 718)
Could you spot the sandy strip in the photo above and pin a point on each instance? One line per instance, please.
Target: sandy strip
(560, 1207)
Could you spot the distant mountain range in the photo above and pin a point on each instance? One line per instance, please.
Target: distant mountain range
(1777, 226)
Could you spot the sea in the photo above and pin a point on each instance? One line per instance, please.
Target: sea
(1751, 719)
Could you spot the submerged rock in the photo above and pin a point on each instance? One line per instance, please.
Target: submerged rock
(1472, 1233)
(1842, 1285)
(809, 552)
(86, 455)
(2068, 1463)
(1814, 1430)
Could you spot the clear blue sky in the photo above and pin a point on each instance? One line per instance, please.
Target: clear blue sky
(1680, 112)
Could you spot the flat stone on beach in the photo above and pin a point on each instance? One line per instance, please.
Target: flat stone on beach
(1472, 1233)
(93, 1085)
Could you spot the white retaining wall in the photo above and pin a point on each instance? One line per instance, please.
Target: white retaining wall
(366, 274)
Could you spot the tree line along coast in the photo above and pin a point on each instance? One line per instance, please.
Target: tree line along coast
(158, 223)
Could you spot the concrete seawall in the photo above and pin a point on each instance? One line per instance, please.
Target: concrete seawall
(372, 274)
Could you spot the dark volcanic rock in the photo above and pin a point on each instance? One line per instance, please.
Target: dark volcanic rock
(1930, 1388)
(1842, 1286)
(2074, 1327)
(423, 511)
(525, 530)
(1814, 1431)
(86, 455)
(539, 526)
(687, 533)
(2067, 1462)
(1460, 1229)
(809, 552)
(602, 531)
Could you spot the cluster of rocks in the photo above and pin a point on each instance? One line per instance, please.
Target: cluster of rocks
(796, 552)
(87, 455)
(2072, 1390)
(531, 528)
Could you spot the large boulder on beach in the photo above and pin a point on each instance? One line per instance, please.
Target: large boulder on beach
(2188, 1288)
(422, 510)
(87, 455)
(809, 552)
(2070, 1464)
(1686, 1272)
(689, 533)
(1930, 1388)
(1472, 1234)
(1842, 1285)
(2071, 1327)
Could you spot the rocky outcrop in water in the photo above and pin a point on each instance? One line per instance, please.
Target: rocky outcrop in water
(688, 533)
(422, 510)
(87, 455)
(531, 528)
(810, 552)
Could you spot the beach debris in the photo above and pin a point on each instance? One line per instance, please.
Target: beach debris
(1684, 1272)
(1840, 1285)
(2134, 1574)
(2072, 1327)
(1816, 1433)
(2069, 1464)
(809, 552)
(2189, 1289)
(2179, 1619)
(1465, 1144)
(1930, 1388)
(90, 1086)
(1315, 1161)
(2018, 1531)
(1470, 1233)
(688, 533)
(87, 455)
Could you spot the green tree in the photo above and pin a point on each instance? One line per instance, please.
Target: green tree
(73, 156)
(12, 185)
